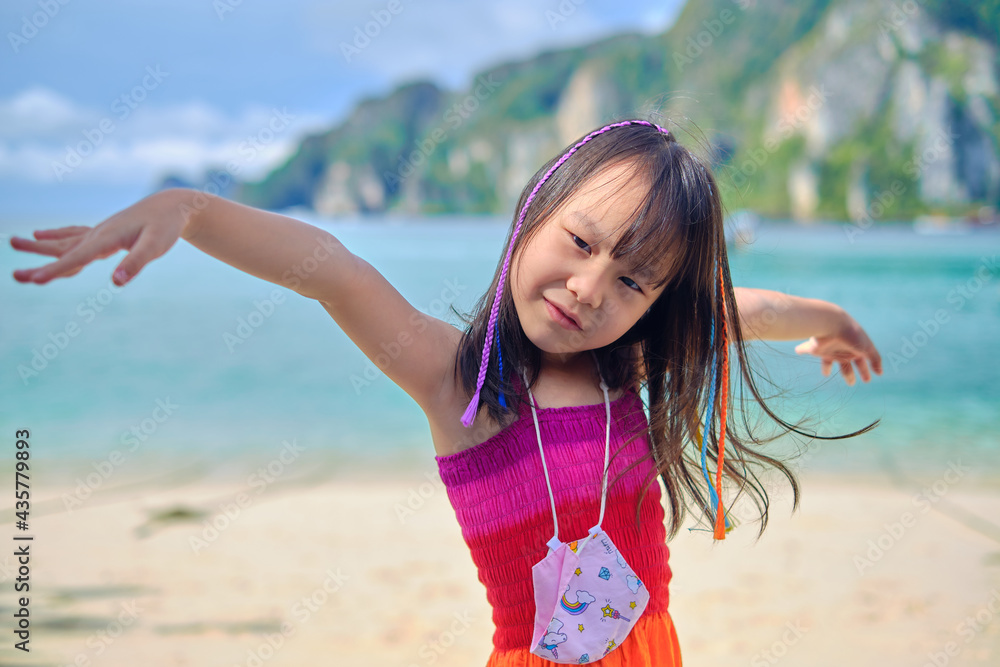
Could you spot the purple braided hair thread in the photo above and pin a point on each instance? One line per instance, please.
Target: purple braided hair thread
(470, 412)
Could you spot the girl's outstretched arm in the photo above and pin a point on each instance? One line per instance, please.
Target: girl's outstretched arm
(276, 248)
(834, 336)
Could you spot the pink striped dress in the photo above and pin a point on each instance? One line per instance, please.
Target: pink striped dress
(498, 491)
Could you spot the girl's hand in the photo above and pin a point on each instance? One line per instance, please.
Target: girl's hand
(849, 344)
(147, 229)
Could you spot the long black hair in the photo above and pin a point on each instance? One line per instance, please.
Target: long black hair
(670, 350)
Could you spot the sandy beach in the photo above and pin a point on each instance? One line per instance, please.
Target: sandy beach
(373, 571)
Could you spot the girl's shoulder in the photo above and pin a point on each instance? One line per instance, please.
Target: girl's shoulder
(448, 433)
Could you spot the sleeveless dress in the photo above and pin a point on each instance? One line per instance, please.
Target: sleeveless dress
(498, 491)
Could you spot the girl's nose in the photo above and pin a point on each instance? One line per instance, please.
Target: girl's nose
(587, 287)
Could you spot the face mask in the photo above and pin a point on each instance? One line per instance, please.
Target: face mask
(587, 598)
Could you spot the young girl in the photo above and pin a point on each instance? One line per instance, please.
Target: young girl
(614, 278)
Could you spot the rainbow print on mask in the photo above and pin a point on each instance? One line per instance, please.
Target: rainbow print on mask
(583, 600)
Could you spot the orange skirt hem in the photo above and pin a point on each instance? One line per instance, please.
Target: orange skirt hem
(652, 643)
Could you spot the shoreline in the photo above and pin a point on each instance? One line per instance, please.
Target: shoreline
(192, 487)
(111, 469)
(376, 572)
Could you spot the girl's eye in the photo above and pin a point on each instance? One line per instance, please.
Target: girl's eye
(636, 288)
(585, 246)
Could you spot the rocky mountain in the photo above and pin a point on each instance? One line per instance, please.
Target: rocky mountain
(846, 109)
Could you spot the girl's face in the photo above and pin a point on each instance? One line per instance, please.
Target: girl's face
(567, 267)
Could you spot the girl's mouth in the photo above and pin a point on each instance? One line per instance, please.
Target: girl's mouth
(558, 316)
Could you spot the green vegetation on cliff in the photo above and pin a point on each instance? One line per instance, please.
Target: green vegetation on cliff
(813, 109)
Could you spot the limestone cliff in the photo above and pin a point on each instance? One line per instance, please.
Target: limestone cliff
(811, 109)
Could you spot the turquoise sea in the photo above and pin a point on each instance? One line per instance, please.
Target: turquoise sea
(150, 381)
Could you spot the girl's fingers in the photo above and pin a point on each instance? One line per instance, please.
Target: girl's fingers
(61, 232)
(146, 248)
(808, 347)
(876, 361)
(847, 370)
(863, 371)
(73, 261)
(826, 366)
(52, 248)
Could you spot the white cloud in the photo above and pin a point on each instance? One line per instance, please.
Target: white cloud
(36, 112)
(442, 39)
(41, 129)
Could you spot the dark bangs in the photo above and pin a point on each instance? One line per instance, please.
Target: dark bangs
(671, 232)
(670, 228)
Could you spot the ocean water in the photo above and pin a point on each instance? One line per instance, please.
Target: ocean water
(147, 379)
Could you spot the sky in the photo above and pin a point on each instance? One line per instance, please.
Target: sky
(100, 100)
